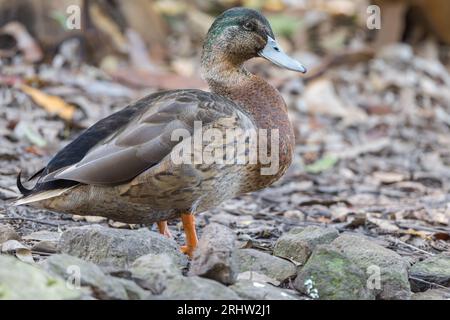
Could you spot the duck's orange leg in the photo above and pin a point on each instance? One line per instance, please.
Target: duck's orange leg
(188, 221)
(163, 229)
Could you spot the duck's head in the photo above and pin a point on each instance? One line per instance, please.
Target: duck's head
(240, 34)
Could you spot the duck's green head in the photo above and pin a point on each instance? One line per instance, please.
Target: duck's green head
(240, 34)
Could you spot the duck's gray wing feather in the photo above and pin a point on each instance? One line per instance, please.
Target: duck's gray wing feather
(147, 138)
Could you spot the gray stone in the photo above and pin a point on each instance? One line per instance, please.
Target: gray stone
(373, 258)
(432, 294)
(45, 246)
(213, 257)
(47, 241)
(264, 263)
(153, 271)
(195, 288)
(299, 243)
(134, 292)
(253, 290)
(117, 247)
(43, 235)
(68, 268)
(19, 280)
(329, 275)
(435, 269)
(7, 233)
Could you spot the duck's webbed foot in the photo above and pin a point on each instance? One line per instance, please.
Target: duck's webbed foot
(188, 221)
(163, 228)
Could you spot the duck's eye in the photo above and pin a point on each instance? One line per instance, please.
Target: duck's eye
(249, 26)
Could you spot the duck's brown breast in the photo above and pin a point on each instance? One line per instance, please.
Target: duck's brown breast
(266, 107)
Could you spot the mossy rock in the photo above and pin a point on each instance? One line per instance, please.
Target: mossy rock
(264, 263)
(299, 243)
(21, 281)
(374, 259)
(435, 269)
(329, 275)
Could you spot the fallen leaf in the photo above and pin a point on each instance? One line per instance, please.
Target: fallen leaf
(52, 104)
(94, 219)
(320, 98)
(21, 251)
(442, 236)
(384, 225)
(23, 130)
(323, 164)
(388, 177)
(417, 233)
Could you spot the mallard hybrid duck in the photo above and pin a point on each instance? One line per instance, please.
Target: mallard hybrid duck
(123, 166)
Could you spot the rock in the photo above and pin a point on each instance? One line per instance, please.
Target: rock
(432, 294)
(19, 280)
(117, 247)
(372, 259)
(43, 235)
(163, 278)
(134, 292)
(435, 269)
(257, 277)
(153, 271)
(195, 288)
(299, 243)
(90, 275)
(329, 275)
(48, 241)
(7, 233)
(253, 290)
(260, 262)
(45, 246)
(213, 257)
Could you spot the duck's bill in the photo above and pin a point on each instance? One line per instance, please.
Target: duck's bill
(273, 52)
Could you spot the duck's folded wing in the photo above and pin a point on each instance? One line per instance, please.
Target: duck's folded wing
(147, 138)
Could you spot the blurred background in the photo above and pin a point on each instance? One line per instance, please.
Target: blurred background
(372, 115)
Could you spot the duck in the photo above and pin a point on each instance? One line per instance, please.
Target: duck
(141, 165)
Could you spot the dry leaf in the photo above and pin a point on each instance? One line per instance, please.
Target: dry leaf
(417, 233)
(21, 251)
(384, 225)
(388, 177)
(52, 104)
(94, 219)
(442, 236)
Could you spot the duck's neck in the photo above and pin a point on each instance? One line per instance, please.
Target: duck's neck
(260, 99)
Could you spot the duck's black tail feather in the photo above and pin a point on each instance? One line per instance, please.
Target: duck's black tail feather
(24, 191)
(36, 174)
